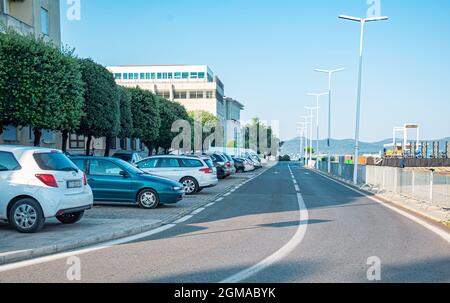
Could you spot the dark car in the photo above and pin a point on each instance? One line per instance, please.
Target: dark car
(220, 162)
(128, 156)
(116, 181)
(239, 165)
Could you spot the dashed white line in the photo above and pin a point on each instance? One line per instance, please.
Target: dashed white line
(197, 211)
(210, 204)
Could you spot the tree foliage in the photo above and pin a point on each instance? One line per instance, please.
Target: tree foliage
(169, 113)
(126, 116)
(146, 120)
(102, 108)
(40, 86)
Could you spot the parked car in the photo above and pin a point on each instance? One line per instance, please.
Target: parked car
(231, 163)
(37, 184)
(220, 162)
(115, 181)
(243, 165)
(194, 173)
(128, 156)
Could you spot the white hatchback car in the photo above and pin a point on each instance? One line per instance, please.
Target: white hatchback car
(195, 173)
(39, 183)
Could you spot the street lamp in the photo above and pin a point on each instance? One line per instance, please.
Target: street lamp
(317, 123)
(362, 21)
(306, 122)
(330, 73)
(302, 128)
(311, 117)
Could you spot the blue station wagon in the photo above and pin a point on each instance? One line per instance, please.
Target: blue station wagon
(116, 181)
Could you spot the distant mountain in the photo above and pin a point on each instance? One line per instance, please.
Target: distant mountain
(346, 146)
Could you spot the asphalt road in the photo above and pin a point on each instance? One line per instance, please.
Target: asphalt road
(261, 219)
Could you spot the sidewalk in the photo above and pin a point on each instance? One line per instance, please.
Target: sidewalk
(104, 223)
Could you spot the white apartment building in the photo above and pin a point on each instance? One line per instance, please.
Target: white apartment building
(194, 86)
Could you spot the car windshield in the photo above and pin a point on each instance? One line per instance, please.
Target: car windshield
(131, 168)
(54, 161)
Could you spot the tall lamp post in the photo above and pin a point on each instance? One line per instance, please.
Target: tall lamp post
(330, 73)
(306, 145)
(311, 117)
(317, 123)
(362, 22)
(302, 128)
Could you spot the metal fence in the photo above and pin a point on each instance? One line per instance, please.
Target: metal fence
(425, 186)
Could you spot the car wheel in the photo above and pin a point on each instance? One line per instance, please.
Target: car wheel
(148, 199)
(26, 216)
(70, 218)
(190, 185)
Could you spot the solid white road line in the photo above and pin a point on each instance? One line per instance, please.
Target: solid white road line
(184, 219)
(438, 231)
(197, 211)
(105, 245)
(282, 252)
(210, 204)
(220, 199)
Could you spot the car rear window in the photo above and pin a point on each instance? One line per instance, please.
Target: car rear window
(209, 163)
(191, 163)
(54, 162)
(8, 162)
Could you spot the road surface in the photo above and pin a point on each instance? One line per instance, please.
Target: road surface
(258, 234)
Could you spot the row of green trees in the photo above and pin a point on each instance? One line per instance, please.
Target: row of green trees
(46, 88)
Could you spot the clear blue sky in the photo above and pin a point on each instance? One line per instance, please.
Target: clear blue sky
(265, 53)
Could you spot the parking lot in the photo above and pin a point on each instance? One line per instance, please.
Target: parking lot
(103, 223)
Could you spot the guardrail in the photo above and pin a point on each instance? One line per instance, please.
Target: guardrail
(428, 186)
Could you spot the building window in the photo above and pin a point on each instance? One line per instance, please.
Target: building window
(180, 95)
(196, 95)
(44, 21)
(10, 133)
(159, 75)
(177, 75)
(165, 95)
(76, 142)
(147, 76)
(114, 143)
(209, 95)
(125, 76)
(170, 75)
(194, 75)
(142, 76)
(185, 75)
(153, 76)
(130, 76)
(201, 75)
(136, 76)
(118, 76)
(48, 137)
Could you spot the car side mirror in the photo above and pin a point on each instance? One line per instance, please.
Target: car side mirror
(124, 174)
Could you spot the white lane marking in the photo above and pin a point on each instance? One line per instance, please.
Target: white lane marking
(297, 189)
(282, 252)
(439, 232)
(210, 204)
(227, 194)
(17, 265)
(197, 211)
(184, 219)
(220, 199)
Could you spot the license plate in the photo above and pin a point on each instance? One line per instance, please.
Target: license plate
(74, 184)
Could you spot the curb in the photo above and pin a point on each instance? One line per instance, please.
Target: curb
(76, 244)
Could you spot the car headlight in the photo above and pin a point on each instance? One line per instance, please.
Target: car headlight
(177, 188)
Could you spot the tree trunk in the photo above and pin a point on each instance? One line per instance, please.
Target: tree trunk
(65, 137)
(37, 136)
(88, 145)
(150, 149)
(108, 146)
